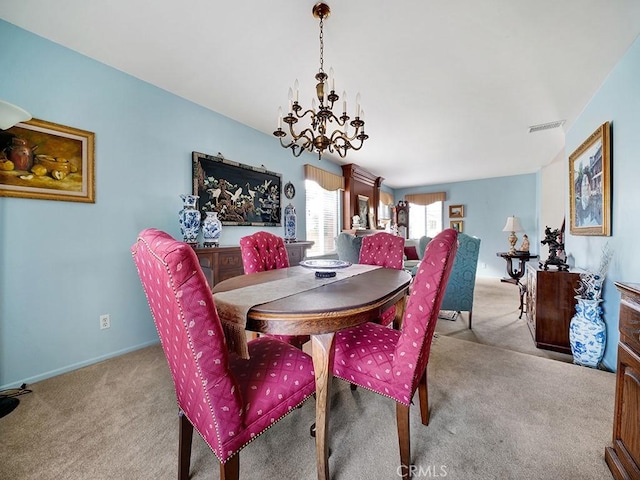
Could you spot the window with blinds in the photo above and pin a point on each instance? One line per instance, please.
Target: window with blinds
(425, 219)
(323, 218)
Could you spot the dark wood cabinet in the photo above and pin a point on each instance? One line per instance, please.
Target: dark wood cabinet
(550, 304)
(623, 457)
(359, 182)
(220, 263)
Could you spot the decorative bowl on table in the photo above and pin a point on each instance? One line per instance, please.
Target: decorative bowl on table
(325, 268)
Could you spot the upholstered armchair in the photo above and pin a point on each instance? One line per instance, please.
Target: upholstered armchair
(385, 250)
(412, 259)
(228, 400)
(459, 293)
(348, 247)
(265, 251)
(393, 362)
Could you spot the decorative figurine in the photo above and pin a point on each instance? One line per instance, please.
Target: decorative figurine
(525, 244)
(551, 239)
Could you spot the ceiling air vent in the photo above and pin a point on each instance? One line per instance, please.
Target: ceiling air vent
(546, 126)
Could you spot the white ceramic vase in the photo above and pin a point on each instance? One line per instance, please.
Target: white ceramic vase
(211, 229)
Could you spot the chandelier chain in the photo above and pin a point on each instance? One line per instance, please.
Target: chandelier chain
(321, 44)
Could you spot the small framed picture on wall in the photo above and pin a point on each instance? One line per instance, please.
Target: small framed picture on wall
(456, 225)
(456, 211)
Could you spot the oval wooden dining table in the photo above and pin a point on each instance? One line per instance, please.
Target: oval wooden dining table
(320, 312)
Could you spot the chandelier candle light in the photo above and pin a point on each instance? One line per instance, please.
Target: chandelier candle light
(317, 137)
(513, 226)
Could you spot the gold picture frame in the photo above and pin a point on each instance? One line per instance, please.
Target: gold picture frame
(47, 161)
(590, 185)
(363, 211)
(456, 211)
(457, 225)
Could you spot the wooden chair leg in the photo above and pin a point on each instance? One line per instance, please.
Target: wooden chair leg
(423, 393)
(469, 319)
(185, 437)
(231, 469)
(402, 417)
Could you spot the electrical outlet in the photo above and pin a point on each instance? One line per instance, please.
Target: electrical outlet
(105, 321)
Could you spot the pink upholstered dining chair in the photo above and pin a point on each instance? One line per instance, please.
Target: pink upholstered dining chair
(263, 251)
(393, 362)
(385, 250)
(228, 400)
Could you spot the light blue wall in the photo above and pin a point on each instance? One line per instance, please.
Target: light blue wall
(487, 204)
(63, 264)
(617, 101)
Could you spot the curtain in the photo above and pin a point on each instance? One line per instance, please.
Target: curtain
(327, 180)
(426, 198)
(386, 198)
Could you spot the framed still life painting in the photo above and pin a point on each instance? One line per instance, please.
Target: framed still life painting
(590, 185)
(47, 161)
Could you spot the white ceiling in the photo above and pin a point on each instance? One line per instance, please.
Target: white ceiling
(449, 87)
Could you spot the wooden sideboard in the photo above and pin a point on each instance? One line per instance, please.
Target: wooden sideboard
(550, 304)
(220, 263)
(623, 458)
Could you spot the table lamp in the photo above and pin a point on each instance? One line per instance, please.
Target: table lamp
(513, 226)
(11, 114)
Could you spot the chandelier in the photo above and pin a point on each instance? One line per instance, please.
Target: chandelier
(316, 136)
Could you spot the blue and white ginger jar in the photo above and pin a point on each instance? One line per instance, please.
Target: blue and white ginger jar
(189, 218)
(587, 333)
(290, 220)
(211, 229)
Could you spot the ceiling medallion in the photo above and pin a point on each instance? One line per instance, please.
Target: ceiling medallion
(316, 136)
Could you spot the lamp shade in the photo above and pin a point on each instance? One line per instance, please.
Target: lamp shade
(512, 225)
(11, 114)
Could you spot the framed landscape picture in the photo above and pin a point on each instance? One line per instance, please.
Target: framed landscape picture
(456, 211)
(47, 161)
(590, 185)
(239, 193)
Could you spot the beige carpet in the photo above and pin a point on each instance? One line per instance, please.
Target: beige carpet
(496, 322)
(495, 414)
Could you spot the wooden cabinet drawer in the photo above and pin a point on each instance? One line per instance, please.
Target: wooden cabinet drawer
(230, 261)
(630, 321)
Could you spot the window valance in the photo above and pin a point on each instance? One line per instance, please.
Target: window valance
(386, 198)
(426, 198)
(327, 180)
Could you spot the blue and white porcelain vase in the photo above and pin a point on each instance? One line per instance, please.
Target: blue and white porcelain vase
(587, 333)
(290, 220)
(211, 229)
(189, 218)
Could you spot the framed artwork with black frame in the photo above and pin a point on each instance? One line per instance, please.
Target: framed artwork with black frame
(239, 193)
(590, 185)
